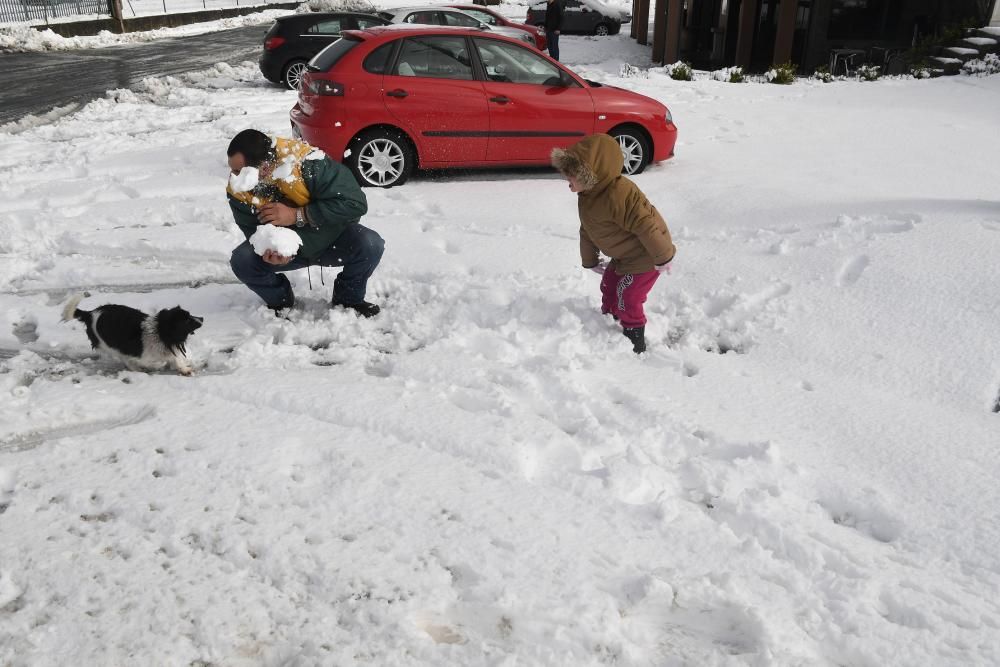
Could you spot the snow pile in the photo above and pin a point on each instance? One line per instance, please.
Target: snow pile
(281, 240)
(362, 6)
(245, 181)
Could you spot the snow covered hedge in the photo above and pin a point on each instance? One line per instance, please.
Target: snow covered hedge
(988, 64)
(363, 6)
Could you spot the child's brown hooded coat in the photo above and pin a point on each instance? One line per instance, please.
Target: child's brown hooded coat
(615, 216)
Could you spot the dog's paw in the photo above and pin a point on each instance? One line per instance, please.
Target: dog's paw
(186, 372)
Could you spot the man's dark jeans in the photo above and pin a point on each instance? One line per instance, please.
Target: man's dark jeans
(552, 38)
(358, 249)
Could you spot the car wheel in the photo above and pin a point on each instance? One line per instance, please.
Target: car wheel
(636, 150)
(602, 30)
(293, 74)
(381, 159)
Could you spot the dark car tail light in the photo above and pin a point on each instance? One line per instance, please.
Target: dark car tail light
(271, 43)
(326, 88)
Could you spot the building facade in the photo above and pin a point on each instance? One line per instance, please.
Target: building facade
(757, 34)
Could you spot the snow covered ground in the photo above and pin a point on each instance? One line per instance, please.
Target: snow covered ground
(801, 471)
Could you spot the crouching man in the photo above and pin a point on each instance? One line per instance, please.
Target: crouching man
(289, 183)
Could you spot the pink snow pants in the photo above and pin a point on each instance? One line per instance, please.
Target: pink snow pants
(623, 296)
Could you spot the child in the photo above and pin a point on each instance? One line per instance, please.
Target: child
(618, 220)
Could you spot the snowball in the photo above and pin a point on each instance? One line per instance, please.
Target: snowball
(245, 181)
(281, 240)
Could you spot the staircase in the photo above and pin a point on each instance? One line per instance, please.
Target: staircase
(976, 44)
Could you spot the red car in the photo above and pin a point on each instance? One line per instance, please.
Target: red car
(389, 99)
(493, 17)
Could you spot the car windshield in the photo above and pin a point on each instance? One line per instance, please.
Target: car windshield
(328, 57)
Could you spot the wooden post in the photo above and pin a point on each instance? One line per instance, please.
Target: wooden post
(744, 38)
(660, 32)
(786, 31)
(641, 22)
(672, 52)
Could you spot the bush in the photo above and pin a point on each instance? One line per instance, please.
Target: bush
(869, 72)
(783, 74)
(680, 71)
(627, 71)
(822, 73)
(730, 74)
(989, 64)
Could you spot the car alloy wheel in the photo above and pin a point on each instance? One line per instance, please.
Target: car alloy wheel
(382, 159)
(601, 30)
(635, 150)
(293, 74)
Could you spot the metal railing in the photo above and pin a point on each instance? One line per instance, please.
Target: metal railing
(41, 11)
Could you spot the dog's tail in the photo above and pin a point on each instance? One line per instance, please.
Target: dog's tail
(71, 313)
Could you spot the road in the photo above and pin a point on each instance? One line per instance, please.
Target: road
(34, 83)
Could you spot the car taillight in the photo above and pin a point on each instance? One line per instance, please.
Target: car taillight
(271, 43)
(327, 88)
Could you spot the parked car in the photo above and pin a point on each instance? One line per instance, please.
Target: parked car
(493, 17)
(582, 18)
(293, 40)
(438, 15)
(390, 99)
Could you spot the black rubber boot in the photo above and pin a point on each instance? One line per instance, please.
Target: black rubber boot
(638, 338)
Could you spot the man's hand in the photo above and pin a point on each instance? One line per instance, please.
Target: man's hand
(277, 214)
(274, 258)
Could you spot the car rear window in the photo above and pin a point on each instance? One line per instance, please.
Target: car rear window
(328, 57)
(377, 61)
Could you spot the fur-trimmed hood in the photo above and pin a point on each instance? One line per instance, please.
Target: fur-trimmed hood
(596, 160)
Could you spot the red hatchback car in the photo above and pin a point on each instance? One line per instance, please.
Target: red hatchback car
(387, 100)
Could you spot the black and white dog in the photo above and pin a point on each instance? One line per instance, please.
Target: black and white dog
(140, 341)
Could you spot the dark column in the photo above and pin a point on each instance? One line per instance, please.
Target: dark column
(660, 32)
(786, 31)
(672, 52)
(640, 22)
(744, 40)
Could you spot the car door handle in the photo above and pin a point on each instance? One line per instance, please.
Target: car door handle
(500, 99)
(397, 93)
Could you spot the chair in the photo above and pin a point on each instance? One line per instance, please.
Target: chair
(845, 56)
(404, 69)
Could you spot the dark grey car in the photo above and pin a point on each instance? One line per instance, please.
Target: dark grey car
(294, 39)
(579, 19)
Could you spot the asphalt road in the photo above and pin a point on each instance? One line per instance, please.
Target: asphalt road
(34, 83)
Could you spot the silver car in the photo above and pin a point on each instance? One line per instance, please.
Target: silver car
(437, 15)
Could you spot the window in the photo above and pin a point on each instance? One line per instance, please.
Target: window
(377, 61)
(485, 17)
(328, 57)
(454, 18)
(508, 63)
(326, 28)
(437, 57)
(857, 19)
(423, 18)
(364, 24)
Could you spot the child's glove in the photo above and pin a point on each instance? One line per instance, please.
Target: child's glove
(599, 267)
(664, 268)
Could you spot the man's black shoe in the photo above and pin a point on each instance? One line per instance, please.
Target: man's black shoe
(363, 308)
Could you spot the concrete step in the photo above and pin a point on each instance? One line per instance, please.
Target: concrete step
(947, 65)
(988, 32)
(982, 44)
(962, 53)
